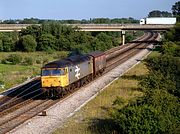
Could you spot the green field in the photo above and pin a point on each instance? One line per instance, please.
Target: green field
(94, 117)
(11, 75)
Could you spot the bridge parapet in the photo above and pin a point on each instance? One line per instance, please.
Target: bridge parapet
(120, 27)
(94, 27)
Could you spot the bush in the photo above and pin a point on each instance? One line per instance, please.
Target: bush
(170, 48)
(28, 43)
(38, 61)
(1, 82)
(4, 61)
(1, 46)
(14, 59)
(28, 61)
(164, 74)
(45, 61)
(47, 43)
(8, 44)
(157, 112)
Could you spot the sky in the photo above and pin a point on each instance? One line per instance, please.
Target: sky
(81, 9)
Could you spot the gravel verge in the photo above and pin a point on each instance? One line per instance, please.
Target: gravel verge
(59, 113)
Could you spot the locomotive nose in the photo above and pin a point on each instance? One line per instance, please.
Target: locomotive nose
(50, 82)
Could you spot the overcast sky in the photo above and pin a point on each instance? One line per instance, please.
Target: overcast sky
(81, 9)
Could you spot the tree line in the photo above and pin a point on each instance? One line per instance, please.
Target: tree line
(72, 21)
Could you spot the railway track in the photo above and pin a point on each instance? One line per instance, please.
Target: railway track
(109, 53)
(25, 109)
(19, 96)
(125, 55)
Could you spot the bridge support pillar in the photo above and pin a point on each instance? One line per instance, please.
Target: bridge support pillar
(123, 37)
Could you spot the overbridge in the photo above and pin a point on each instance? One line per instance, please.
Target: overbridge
(93, 27)
(121, 27)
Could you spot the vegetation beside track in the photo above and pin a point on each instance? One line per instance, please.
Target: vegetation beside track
(95, 117)
(158, 110)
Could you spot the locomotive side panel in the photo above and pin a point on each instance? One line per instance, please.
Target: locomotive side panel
(80, 70)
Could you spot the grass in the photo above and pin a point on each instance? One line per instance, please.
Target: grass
(94, 117)
(11, 75)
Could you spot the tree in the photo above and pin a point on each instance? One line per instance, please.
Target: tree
(1, 42)
(63, 43)
(33, 30)
(169, 48)
(176, 10)
(164, 73)
(157, 13)
(47, 42)
(30, 21)
(101, 20)
(174, 33)
(1, 45)
(166, 14)
(105, 41)
(156, 112)
(8, 44)
(29, 44)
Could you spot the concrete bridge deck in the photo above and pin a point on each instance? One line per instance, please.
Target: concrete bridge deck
(93, 27)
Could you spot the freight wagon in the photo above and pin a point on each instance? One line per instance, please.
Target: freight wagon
(158, 20)
(59, 77)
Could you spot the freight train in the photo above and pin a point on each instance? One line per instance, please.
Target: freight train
(62, 76)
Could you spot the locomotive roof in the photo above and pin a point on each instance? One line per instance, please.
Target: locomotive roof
(72, 60)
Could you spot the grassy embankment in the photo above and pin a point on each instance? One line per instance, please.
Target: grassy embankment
(11, 75)
(94, 117)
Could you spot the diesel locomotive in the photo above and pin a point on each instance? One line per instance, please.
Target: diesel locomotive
(62, 76)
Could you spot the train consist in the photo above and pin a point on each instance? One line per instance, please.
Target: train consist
(59, 77)
(158, 20)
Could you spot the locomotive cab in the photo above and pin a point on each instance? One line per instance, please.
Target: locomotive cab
(54, 77)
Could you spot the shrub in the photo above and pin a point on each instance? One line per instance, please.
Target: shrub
(14, 59)
(45, 61)
(8, 44)
(1, 46)
(157, 112)
(28, 61)
(169, 48)
(1, 82)
(38, 61)
(4, 61)
(28, 43)
(47, 43)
